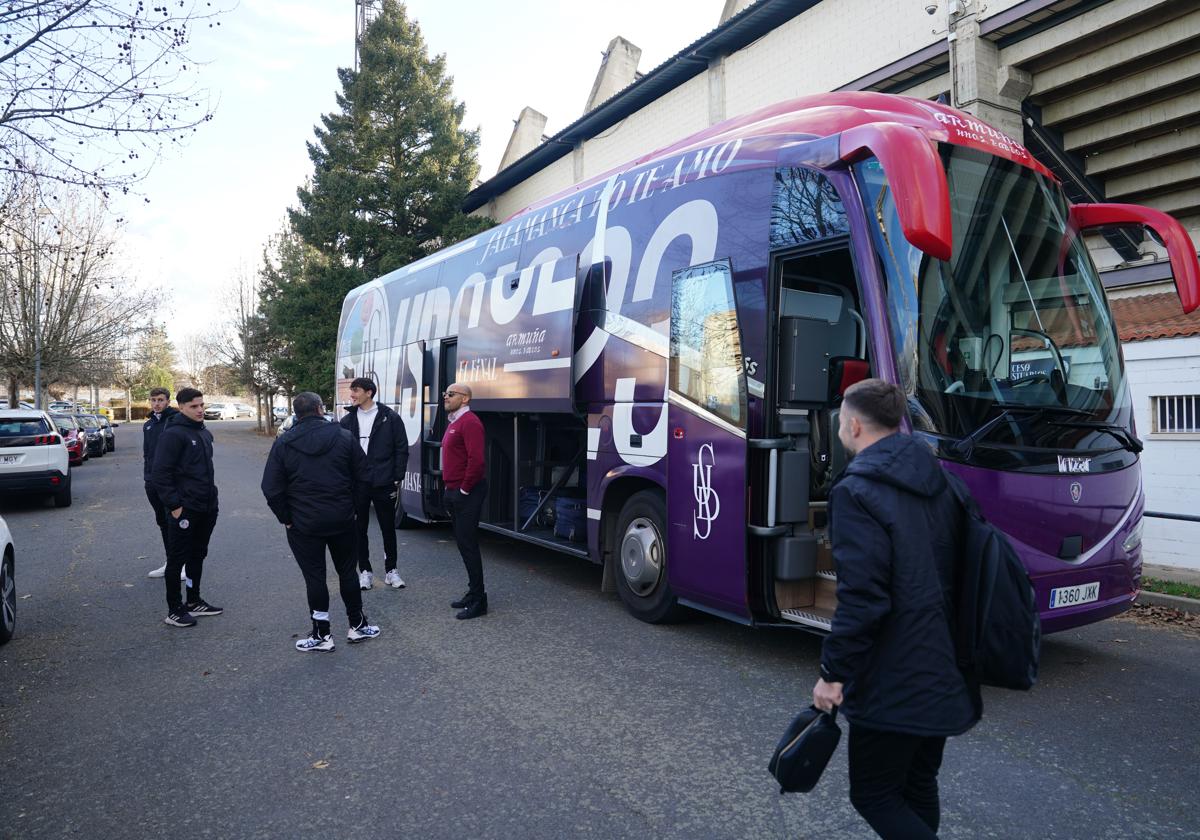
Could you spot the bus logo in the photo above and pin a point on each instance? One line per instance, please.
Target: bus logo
(708, 503)
(1076, 491)
(1069, 464)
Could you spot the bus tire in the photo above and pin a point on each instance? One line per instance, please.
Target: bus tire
(641, 559)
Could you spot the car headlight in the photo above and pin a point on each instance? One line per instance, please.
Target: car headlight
(1133, 539)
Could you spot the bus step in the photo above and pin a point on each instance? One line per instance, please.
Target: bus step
(807, 618)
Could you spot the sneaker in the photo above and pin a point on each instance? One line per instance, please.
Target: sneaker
(202, 607)
(180, 618)
(365, 580)
(393, 580)
(161, 571)
(362, 632)
(315, 642)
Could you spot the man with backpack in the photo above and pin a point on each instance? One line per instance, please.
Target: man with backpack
(889, 661)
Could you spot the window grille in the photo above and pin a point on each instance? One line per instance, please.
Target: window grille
(1177, 414)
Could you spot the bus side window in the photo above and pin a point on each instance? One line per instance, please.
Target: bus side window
(706, 347)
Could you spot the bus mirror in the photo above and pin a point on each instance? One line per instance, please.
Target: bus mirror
(595, 292)
(1180, 249)
(915, 176)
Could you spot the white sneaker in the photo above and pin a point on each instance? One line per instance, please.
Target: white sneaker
(161, 571)
(393, 580)
(363, 632)
(365, 580)
(316, 643)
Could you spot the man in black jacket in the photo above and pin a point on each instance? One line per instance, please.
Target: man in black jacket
(380, 433)
(889, 660)
(182, 475)
(160, 413)
(313, 483)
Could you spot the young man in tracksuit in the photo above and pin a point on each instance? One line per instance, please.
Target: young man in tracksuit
(160, 413)
(889, 661)
(183, 477)
(313, 482)
(380, 433)
(462, 472)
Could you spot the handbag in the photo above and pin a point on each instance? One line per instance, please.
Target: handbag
(804, 750)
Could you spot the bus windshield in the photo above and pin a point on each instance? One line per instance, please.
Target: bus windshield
(1008, 352)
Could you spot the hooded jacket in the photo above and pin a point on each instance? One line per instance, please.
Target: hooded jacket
(182, 472)
(151, 431)
(896, 528)
(315, 477)
(387, 451)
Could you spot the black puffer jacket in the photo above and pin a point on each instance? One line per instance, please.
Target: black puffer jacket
(182, 473)
(895, 528)
(151, 431)
(387, 453)
(314, 477)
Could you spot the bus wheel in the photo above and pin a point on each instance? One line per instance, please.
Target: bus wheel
(641, 571)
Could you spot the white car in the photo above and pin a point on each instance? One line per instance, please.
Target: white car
(8, 584)
(243, 410)
(33, 456)
(220, 411)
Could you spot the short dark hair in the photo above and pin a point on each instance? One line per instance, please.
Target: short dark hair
(306, 404)
(366, 384)
(880, 403)
(186, 395)
(160, 392)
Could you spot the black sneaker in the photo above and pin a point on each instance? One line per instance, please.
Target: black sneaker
(202, 608)
(474, 609)
(464, 601)
(180, 618)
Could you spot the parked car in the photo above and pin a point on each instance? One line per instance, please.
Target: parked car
(8, 584)
(280, 412)
(220, 411)
(110, 436)
(74, 437)
(243, 410)
(96, 444)
(33, 457)
(291, 421)
(61, 406)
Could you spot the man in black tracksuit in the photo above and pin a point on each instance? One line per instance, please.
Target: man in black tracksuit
(889, 659)
(380, 433)
(160, 413)
(313, 483)
(183, 477)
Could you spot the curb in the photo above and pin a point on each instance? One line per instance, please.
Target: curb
(1156, 599)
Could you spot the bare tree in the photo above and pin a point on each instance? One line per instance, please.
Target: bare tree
(90, 89)
(196, 355)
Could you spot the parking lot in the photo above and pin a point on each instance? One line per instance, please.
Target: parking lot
(557, 715)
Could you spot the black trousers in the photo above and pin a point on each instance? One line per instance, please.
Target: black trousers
(893, 782)
(464, 510)
(187, 546)
(160, 515)
(309, 551)
(385, 511)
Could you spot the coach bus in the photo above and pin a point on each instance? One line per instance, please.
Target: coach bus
(658, 356)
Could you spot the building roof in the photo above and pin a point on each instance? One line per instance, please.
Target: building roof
(1146, 317)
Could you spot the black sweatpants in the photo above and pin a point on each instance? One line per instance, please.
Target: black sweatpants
(187, 546)
(464, 510)
(385, 511)
(309, 551)
(160, 515)
(893, 782)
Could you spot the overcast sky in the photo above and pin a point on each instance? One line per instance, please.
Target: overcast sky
(270, 70)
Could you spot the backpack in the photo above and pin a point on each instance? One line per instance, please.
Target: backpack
(997, 632)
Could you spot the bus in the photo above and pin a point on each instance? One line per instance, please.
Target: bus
(658, 356)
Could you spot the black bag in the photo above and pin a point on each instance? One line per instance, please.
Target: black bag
(998, 634)
(570, 519)
(804, 750)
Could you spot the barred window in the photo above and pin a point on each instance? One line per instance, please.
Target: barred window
(1177, 414)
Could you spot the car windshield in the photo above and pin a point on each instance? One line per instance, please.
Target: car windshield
(88, 422)
(65, 423)
(1015, 325)
(23, 427)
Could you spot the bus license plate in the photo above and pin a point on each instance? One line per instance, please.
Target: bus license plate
(1070, 596)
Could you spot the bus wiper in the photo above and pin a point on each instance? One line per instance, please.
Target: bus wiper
(966, 445)
(1127, 439)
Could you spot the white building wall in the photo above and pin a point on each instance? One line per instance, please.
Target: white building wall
(1170, 463)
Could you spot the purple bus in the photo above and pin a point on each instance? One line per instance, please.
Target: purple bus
(658, 356)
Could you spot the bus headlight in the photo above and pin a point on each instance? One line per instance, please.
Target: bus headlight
(1134, 539)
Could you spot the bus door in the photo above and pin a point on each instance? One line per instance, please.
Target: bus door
(410, 405)
(706, 445)
(441, 366)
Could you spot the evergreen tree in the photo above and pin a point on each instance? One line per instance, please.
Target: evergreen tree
(393, 165)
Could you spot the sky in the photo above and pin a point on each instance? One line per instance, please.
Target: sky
(270, 73)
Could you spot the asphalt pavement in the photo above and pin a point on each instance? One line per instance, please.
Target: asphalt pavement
(557, 715)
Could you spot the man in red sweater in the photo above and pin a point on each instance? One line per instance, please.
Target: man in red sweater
(462, 470)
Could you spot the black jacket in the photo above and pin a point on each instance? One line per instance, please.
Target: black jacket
(896, 529)
(151, 431)
(314, 477)
(387, 453)
(182, 472)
